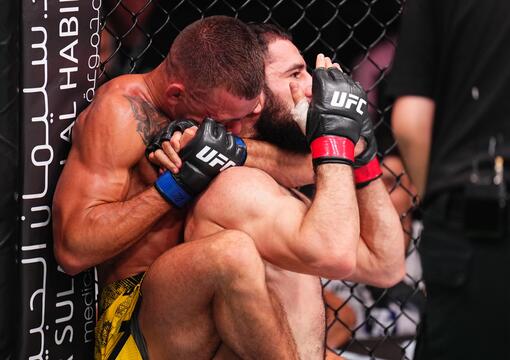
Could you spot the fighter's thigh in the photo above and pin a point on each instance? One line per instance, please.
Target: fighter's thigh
(178, 289)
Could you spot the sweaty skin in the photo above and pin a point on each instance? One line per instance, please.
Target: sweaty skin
(107, 177)
(196, 302)
(298, 240)
(275, 215)
(285, 231)
(106, 210)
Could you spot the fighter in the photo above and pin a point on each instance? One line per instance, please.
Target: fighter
(293, 236)
(113, 211)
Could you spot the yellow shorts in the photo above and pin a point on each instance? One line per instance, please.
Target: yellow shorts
(118, 335)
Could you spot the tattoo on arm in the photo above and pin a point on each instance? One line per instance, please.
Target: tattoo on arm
(149, 119)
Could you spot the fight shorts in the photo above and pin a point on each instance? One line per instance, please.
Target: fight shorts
(118, 334)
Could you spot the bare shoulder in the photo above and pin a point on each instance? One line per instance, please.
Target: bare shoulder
(122, 106)
(240, 179)
(246, 190)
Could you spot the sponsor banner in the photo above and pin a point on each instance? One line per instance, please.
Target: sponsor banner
(59, 64)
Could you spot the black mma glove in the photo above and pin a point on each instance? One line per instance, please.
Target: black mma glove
(335, 116)
(367, 132)
(366, 165)
(211, 151)
(166, 133)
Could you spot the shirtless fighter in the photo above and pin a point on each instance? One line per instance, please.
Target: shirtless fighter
(295, 237)
(107, 213)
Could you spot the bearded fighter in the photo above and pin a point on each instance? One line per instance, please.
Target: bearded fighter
(298, 240)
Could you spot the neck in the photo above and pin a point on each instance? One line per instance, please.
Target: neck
(156, 81)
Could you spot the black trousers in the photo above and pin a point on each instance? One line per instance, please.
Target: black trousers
(467, 314)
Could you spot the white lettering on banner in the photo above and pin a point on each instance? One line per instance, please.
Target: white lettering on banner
(68, 52)
(39, 329)
(63, 325)
(43, 118)
(52, 80)
(339, 100)
(93, 61)
(68, 32)
(68, 71)
(88, 294)
(68, 27)
(41, 156)
(66, 133)
(44, 223)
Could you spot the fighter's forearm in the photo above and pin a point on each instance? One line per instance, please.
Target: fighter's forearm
(330, 228)
(100, 232)
(381, 258)
(288, 169)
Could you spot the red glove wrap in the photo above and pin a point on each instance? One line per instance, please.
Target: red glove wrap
(367, 173)
(334, 148)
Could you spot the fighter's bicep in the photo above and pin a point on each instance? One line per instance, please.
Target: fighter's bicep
(82, 187)
(103, 152)
(278, 237)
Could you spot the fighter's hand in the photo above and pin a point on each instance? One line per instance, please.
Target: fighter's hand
(164, 147)
(301, 105)
(336, 114)
(366, 164)
(211, 151)
(369, 151)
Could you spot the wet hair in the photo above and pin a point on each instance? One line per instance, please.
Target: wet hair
(219, 52)
(267, 33)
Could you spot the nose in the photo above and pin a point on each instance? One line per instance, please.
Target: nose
(308, 92)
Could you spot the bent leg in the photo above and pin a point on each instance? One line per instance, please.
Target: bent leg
(211, 291)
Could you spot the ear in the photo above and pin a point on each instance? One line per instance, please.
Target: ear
(258, 108)
(174, 93)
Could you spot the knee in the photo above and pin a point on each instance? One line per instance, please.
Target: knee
(237, 256)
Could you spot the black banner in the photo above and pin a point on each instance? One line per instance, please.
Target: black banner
(59, 58)
(9, 169)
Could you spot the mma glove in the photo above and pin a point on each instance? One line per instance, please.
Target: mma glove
(211, 151)
(166, 134)
(367, 173)
(335, 117)
(366, 165)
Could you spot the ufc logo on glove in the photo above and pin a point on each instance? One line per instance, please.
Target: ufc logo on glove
(346, 100)
(213, 158)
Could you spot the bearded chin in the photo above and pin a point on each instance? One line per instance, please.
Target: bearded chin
(277, 125)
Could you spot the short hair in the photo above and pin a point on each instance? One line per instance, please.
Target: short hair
(267, 33)
(219, 51)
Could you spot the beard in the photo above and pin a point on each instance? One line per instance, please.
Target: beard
(276, 125)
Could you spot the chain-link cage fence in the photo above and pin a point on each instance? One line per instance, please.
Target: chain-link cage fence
(361, 36)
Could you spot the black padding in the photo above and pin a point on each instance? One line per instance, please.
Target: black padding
(8, 172)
